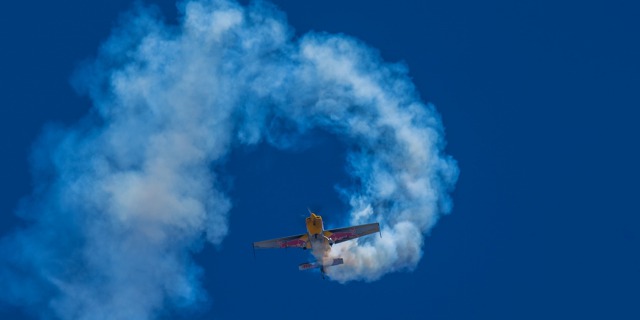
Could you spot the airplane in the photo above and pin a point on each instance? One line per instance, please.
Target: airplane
(319, 241)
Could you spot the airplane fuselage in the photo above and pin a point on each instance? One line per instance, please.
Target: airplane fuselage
(317, 239)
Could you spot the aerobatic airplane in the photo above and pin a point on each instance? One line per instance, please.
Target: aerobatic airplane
(319, 241)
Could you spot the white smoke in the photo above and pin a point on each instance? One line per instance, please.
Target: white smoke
(125, 196)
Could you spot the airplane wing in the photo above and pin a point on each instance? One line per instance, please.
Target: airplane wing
(348, 233)
(297, 241)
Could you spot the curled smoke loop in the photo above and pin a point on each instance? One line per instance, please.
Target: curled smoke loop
(124, 197)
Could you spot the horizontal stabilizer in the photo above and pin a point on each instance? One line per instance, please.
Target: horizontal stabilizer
(308, 265)
(313, 265)
(336, 262)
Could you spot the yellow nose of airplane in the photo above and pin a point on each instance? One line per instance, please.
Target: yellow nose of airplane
(314, 224)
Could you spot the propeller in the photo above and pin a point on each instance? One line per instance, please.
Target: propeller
(314, 209)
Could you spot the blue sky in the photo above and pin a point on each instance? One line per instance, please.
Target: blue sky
(538, 101)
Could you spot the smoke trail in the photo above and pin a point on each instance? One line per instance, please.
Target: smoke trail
(124, 197)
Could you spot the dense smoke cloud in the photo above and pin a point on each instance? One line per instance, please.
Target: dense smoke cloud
(125, 196)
